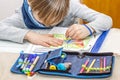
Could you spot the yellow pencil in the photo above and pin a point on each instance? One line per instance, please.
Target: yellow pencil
(91, 65)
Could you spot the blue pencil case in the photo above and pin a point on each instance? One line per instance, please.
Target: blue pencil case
(70, 64)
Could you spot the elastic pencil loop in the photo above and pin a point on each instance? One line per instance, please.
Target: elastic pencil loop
(88, 29)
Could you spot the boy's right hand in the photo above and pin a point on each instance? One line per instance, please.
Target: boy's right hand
(46, 40)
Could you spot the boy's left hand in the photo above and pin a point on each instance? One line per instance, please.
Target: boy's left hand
(77, 31)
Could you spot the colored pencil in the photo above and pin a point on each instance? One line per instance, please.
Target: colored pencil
(86, 63)
(91, 66)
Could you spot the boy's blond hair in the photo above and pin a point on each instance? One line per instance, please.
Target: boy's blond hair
(50, 12)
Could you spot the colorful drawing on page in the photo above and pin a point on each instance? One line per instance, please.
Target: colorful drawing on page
(72, 44)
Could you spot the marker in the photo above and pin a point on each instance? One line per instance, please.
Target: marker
(91, 65)
(31, 61)
(86, 63)
(24, 62)
(27, 62)
(34, 63)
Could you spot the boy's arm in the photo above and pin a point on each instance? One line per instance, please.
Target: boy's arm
(98, 21)
(13, 28)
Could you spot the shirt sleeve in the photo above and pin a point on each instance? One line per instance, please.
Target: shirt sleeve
(98, 21)
(13, 28)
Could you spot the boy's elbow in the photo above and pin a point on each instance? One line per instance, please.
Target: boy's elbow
(109, 22)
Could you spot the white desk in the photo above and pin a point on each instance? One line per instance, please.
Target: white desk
(6, 46)
(112, 42)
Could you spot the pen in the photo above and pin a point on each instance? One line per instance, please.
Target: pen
(31, 61)
(27, 62)
(91, 65)
(86, 63)
(34, 63)
(24, 62)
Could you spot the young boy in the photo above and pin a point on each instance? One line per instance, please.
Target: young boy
(45, 14)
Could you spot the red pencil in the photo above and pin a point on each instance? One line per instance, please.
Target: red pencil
(86, 63)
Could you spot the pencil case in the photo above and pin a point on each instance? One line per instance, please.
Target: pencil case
(64, 63)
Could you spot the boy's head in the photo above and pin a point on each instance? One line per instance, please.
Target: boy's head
(49, 12)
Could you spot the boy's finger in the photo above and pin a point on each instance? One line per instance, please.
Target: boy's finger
(71, 33)
(52, 43)
(49, 35)
(67, 32)
(44, 44)
(58, 41)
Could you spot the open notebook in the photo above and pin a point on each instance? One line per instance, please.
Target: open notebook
(84, 45)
